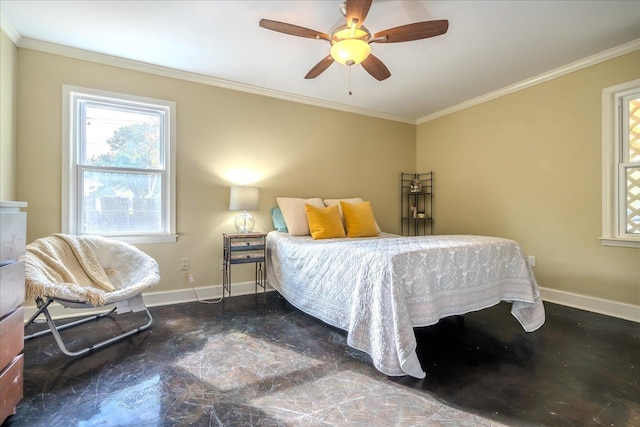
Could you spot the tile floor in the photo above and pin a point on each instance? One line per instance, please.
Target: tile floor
(267, 364)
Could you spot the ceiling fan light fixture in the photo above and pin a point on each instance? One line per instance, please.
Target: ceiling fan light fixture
(350, 51)
(350, 42)
(344, 32)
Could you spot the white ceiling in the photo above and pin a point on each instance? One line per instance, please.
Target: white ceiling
(490, 44)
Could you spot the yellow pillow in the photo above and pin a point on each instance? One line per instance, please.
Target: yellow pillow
(331, 202)
(324, 223)
(359, 220)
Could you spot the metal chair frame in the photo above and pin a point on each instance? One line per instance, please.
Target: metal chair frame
(43, 308)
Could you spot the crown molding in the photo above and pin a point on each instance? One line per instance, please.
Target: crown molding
(540, 78)
(37, 45)
(100, 58)
(9, 30)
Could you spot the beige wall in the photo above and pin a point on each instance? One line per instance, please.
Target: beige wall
(297, 150)
(527, 166)
(8, 74)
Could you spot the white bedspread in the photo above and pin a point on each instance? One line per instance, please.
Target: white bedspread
(378, 289)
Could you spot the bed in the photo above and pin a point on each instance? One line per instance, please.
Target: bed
(379, 288)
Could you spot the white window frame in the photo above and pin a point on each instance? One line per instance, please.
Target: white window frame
(71, 204)
(613, 164)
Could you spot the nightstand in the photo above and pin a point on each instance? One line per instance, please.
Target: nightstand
(244, 248)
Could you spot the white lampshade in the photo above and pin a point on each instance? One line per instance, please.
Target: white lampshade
(244, 199)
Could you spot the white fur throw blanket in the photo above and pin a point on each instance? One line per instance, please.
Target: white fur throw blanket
(89, 269)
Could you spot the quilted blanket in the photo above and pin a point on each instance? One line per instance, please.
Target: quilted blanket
(378, 289)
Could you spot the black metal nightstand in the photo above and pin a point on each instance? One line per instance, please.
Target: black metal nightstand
(244, 248)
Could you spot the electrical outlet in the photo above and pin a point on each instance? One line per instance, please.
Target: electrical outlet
(184, 264)
(531, 260)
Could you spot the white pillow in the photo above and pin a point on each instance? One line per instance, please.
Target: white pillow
(295, 214)
(331, 202)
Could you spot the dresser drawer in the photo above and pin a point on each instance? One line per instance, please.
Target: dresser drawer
(247, 244)
(11, 336)
(11, 388)
(11, 287)
(246, 257)
(13, 227)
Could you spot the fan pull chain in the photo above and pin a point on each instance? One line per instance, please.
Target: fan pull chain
(349, 80)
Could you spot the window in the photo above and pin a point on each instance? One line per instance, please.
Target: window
(118, 166)
(621, 165)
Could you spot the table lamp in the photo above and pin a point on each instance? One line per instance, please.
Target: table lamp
(244, 199)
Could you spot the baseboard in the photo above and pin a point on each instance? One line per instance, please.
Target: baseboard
(596, 305)
(152, 299)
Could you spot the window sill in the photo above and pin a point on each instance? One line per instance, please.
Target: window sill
(620, 242)
(165, 238)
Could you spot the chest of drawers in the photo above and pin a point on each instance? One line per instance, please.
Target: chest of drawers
(13, 227)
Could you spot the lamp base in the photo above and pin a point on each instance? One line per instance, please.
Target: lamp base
(244, 222)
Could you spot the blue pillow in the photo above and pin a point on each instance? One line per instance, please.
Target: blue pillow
(278, 220)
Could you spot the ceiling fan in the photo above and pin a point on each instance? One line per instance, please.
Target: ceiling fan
(350, 42)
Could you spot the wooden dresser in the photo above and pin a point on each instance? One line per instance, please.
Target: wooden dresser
(13, 229)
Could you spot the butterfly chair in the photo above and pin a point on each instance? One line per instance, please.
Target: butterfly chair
(87, 272)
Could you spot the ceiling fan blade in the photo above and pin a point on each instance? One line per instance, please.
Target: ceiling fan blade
(319, 67)
(294, 30)
(415, 31)
(357, 9)
(376, 68)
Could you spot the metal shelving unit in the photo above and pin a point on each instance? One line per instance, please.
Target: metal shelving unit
(417, 204)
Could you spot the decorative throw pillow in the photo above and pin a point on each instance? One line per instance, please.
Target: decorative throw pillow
(359, 220)
(278, 220)
(295, 215)
(331, 202)
(324, 223)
